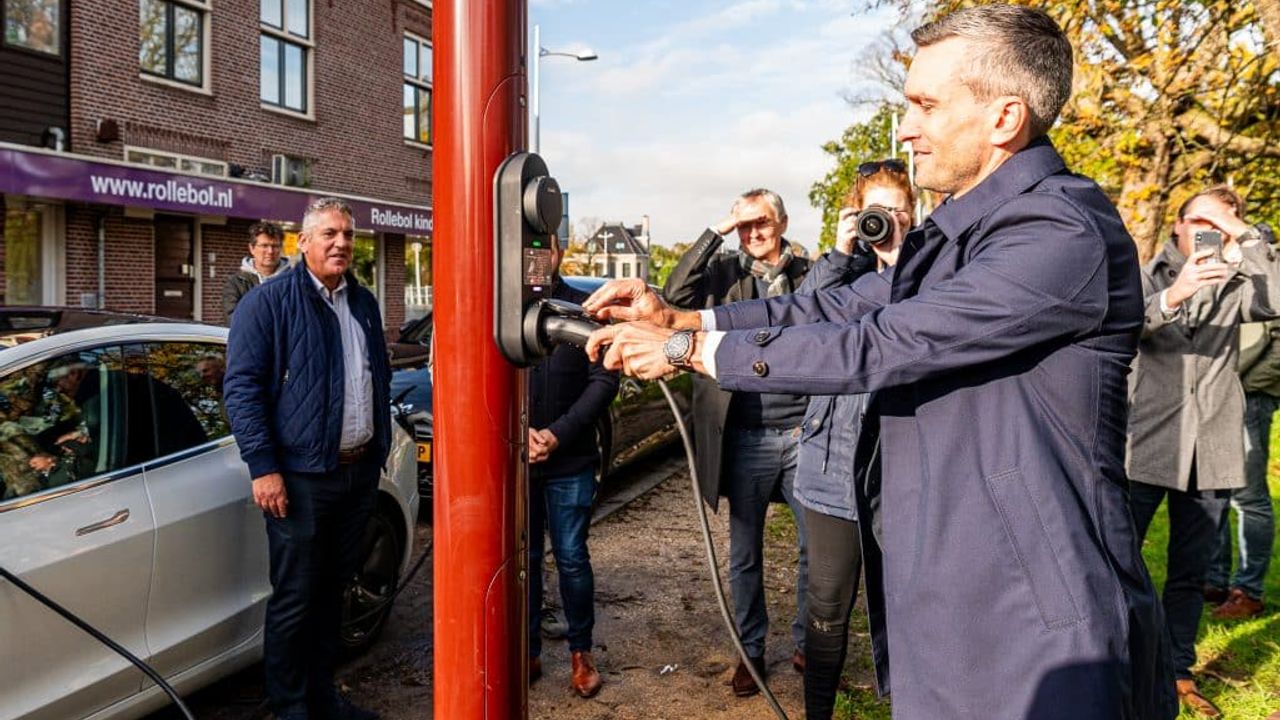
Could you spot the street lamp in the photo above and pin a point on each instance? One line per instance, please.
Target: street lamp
(584, 56)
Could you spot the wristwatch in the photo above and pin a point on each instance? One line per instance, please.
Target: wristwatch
(679, 349)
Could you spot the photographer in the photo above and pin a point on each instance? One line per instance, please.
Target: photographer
(872, 225)
(1186, 433)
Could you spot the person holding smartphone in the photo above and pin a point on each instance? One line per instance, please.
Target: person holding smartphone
(1186, 417)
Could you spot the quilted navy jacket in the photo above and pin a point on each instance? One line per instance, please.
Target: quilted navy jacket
(283, 387)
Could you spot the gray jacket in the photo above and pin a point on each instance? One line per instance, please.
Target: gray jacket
(1185, 398)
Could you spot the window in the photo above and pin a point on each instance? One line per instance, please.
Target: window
(172, 39)
(67, 419)
(364, 261)
(187, 394)
(173, 161)
(24, 257)
(417, 89)
(33, 24)
(285, 53)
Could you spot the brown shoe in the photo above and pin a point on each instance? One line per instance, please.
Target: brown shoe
(797, 660)
(585, 679)
(743, 684)
(1190, 697)
(1215, 595)
(535, 669)
(1239, 606)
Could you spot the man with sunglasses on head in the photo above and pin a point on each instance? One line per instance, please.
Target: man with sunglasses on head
(746, 441)
(1005, 579)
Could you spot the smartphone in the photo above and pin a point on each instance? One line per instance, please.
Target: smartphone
(1209, 240)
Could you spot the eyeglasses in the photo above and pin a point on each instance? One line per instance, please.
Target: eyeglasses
(867, 169)
(267, 246)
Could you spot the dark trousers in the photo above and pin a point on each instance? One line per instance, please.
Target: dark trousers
(1194, 518)
(835, 561)
(562, 506)
(314, 550)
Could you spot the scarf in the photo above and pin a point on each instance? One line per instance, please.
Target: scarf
(774, 276)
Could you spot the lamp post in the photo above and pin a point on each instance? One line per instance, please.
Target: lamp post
(584, 56)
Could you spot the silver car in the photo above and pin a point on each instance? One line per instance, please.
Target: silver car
(123, 497)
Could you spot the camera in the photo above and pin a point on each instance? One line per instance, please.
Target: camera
(874, 225)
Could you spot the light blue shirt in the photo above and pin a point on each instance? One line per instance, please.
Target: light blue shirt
(357, 380)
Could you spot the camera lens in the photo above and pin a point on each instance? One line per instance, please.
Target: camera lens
(874, 225)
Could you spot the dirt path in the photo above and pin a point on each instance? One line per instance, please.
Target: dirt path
(660, 643)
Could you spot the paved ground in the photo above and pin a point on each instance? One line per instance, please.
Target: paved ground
(660, 642)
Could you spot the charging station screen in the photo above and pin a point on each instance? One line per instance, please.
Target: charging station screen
(537, 267)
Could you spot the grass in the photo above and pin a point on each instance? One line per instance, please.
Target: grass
(1238, 662)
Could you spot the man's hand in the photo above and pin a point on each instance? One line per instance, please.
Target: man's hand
(729, 224)
(636, 349)
(538, 450)
(1228, 223)
(269, 494)
(632, 299)
(541, 444)
(1198, 272)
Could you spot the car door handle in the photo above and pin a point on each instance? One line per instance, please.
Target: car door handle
(112, 521)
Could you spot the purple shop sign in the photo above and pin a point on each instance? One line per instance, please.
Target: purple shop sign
(55, 175)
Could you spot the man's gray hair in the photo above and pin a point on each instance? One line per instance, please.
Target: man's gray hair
(324, 205)
(1024, 53)
(771, 197)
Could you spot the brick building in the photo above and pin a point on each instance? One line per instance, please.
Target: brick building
(140, 138)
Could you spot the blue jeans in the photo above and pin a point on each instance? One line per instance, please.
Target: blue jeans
(1254, 514)
(758, 463)
(1193, 534)
(313, 550)
(562, 507)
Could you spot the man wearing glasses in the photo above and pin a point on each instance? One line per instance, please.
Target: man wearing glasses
(746, 441)
(263, 263)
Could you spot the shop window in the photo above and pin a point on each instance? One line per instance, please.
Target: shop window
(24, 257)
(416, 108)
(364, 261)
(172, 39)
(33, 24)
(285, 53)
(173, 161)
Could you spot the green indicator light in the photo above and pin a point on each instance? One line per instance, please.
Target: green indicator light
(537, 243)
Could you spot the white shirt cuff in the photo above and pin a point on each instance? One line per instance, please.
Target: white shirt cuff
(708, 320)
(711, 341)
(1164, 307)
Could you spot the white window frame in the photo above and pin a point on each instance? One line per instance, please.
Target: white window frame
(205, 8)
(308, 46)
(176, 156)
(418, 82)
(53, 251)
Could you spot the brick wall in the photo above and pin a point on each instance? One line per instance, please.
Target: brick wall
(393, 305)
(354, 141)
(130, 259)
(229, 245)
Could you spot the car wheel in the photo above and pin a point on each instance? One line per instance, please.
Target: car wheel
(366, 601)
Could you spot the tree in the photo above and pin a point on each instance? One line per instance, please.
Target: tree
(662, 260)
(1170, 96)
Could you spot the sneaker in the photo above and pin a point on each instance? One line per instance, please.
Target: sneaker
(553, 628)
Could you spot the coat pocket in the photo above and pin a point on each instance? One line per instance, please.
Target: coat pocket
(1033, 549)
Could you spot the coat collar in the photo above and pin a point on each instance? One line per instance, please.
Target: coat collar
(1019, 173)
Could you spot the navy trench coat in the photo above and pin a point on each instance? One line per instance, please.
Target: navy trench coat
(1007, 582)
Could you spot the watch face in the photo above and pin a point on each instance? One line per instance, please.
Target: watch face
(677, 346)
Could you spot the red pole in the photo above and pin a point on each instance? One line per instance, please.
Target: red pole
(479, 113)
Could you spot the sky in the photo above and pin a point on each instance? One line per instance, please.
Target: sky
(692, 102)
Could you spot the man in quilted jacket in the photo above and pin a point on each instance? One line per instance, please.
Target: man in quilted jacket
(307, 391)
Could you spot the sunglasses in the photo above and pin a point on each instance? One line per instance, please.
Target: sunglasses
(867, 169)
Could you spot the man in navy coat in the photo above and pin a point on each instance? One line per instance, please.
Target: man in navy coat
(1006, 580)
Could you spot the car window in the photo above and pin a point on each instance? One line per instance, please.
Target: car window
(187, 393)
(66, 420)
